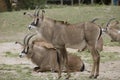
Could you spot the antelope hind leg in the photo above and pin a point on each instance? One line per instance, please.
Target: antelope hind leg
(97, 64)
(95, 68)
(59, 62)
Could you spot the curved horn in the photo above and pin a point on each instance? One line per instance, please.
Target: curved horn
(38, 12)
(35, 13)
(25, 39)
(30, 38)
(110, 21)
(94, 20)
(43, 14)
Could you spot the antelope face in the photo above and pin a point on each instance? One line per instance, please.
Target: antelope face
(24, 51)
(37, 20)
(106, 30)
(35, 23)
(25, 45)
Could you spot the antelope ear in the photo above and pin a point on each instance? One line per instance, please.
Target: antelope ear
(19, 43)
(43, 12)
(115, 23)
(29, 14)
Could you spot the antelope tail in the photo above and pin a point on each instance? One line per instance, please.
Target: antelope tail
(83, 68)
(58, 57)
(100, 33)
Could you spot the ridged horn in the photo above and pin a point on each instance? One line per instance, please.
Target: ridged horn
(35, 13)
(110, 21)
(38, 12)
(29, 38)
(24, 40)
(94, 20)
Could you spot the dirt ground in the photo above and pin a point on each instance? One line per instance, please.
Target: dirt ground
(109, 70)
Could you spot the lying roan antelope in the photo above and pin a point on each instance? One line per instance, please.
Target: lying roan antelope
(60, 34)
(112, 31)
(44, 56)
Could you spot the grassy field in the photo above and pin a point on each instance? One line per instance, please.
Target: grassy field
(23, 71)
(13, 27)
(14, 24)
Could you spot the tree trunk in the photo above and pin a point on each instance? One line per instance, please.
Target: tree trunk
(3, 6)
(61, 1)
(92, 1)
(79, 2)
(112, 2)
(72, 2)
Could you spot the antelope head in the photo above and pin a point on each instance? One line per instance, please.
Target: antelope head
(110, 25)
(37, 19)
(25, 45)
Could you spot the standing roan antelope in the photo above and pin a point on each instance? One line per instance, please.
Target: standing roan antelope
(60, 34)
(44, 56)
(83, 46)
(112, 31)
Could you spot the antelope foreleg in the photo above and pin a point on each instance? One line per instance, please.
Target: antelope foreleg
(62, 57)
(65, 56)
(59, 62)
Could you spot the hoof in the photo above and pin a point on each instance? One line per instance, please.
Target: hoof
(68, 76)
(36, 68)
(59, 77)
(91, 76)
(95, 77)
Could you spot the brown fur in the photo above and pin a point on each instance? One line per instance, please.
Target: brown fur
(44, 56)
(60, 34)
(83, 46)
(113, 30)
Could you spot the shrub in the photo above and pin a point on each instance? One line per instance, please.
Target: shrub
(25, 4)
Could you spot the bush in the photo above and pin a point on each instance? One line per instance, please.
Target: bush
(25, 4)
(3, 6)
(9, 8)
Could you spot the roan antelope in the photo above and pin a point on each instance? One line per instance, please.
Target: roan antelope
(44, 55)
(60, 34)
(113, 30)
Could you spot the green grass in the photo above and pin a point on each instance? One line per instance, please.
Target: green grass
(13, 27)
(14, 24)
(105, 56)
(9, 54)
(17, 72)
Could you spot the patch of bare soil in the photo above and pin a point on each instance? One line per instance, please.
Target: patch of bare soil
(111, 49)
(108, 70)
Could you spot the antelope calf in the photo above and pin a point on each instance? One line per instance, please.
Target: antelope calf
(44, 55)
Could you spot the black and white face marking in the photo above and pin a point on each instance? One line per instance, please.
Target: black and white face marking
(34, 24)
(24, 52)
(37, 19)
(104, 29)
